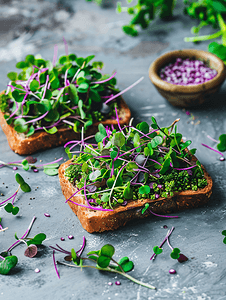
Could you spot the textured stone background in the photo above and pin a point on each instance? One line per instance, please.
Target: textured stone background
(31, 27)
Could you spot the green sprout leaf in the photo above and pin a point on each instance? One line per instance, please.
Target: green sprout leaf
(19, 179)
(20, 126)
(128, 193)
(144, 189)
(105, 197)
(107, 250)
(157, 250)
(118, 139)
(25, 187)
(222, 144)
(146, 206)
(7, 264)
(94, 175)
(103, 261)
(175, 254)
(50, 171)
(8, 207)
(15, 210)
(37, 240)
(51, 130)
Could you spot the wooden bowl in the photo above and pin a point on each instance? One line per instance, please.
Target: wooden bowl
(190, 95)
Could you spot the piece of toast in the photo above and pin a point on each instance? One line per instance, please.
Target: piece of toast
(42, 140)
(99, 221)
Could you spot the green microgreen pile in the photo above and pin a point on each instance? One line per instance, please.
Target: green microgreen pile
(28, 163)
(69, 92)
(24, 186)
(103, 259)
(210, 13)
(133, 163)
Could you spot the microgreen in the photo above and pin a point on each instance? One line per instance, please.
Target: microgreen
(175, 254)
(28, 163)
(31, 243)
(7, 263)
(224, 234)
(132, 163)
(72, 92)
(9, 207)
(103, 259)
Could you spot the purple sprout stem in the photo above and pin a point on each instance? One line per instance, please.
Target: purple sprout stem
(3, 258)
(212, 149)
(79, 252)
(183, 169)
(23, 237)
(54, 262)
(55, 55)
(62, 251)
(173, 217)
(52, 162)
(168, 234)
(108, 79)
(125, 90)
(90, 207)
(73, 79)
(50, 126)
(37, 119)
(65, 251)
(209, 137)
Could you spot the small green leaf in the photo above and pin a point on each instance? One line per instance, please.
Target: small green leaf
(7, 264)
(25, 187)
(8, 207)
(145, 208)
(118, 139)
(25, 165)
(144, 127)
(131, 166)
(38, 239)
(224, 240)
(15, 210)
(82, 113)
(31, 131)
(107, 250)
(12, 76)
(51, 130)
(34, 85)
(67, 150)
(20, 126)
(19, 179)
(21, 65)
(157, 140)
(128, 192)
(103, 261)
(224, 232)
(222, 144)
(157, 250)
(144, 189)
(97, 252)
(51, 166)
(105, 197)
(146, 151)
(51, 172)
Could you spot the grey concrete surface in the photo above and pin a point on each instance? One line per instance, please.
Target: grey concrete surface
(34, 27)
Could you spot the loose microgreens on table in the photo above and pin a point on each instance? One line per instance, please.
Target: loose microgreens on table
(68, 92)
(221, 145)
(132, 163)
(9, 261)
(175, 254)
(103, 259)
(28, 163)
(9, 207)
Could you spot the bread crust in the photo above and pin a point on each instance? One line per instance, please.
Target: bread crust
(42, 140)
(99, 221)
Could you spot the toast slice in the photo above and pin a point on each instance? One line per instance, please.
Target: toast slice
(99, 221)
(42, 140)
